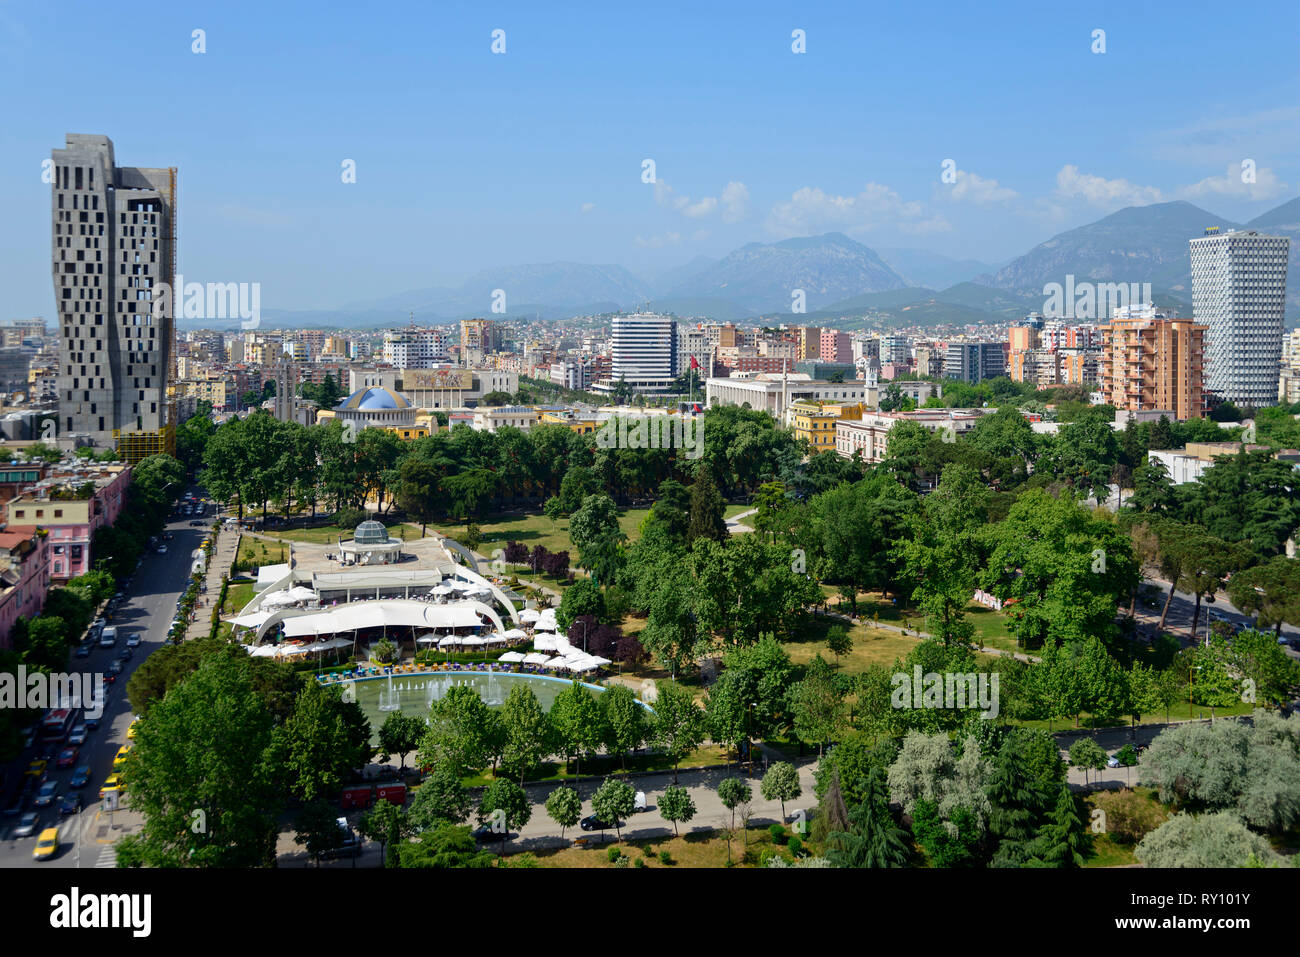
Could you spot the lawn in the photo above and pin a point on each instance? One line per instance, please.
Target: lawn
(237, 596)
(329, 534)
(696, 849)
(1178, 711)
(871, 646)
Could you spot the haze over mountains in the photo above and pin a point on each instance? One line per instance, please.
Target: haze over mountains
(840, 276)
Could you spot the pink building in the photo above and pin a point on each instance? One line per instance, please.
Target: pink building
(72, 503)
(836, 346)
(24, 576)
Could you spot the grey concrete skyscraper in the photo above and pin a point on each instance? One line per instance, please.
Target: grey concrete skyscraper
(1239, 292)
(114, 242)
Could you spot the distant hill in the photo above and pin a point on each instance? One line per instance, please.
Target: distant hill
(1136, 244)
(920, 267)
(762, 277)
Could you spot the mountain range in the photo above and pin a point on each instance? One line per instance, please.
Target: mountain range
(841, 279)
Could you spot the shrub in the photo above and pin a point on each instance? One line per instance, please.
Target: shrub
(613, 854)
(647, 850)
(639, 862)
(777, 832)
(1129, 815)
(665, 858)
(796, 846)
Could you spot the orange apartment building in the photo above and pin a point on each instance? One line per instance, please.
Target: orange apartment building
(1153, 362)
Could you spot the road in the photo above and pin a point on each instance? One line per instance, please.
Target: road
(86, 838)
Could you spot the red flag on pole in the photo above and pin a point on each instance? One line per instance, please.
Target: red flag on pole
(694, 364)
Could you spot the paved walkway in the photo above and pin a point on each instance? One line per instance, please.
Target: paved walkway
(220, 563)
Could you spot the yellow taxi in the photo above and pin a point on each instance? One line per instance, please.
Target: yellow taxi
(130, 732)
(46, 844)
(112, 783)
(120, 760)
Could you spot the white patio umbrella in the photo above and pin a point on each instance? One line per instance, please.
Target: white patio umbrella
(511, 657)
(544, 642)
(495, 639)
(536, 659)
(449, 640)
(515, 634)
(529, 615)
(474, 640)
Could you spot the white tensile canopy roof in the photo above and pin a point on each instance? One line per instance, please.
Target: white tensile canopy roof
(254, 620)
(268, 575)
(514, 634)
(544, 642)
(390, 613)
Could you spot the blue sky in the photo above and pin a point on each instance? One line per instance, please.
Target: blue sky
(468, 160)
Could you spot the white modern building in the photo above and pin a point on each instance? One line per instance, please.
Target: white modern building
(415, 348)
(1239, 291)
(643, 352)
(773, 393)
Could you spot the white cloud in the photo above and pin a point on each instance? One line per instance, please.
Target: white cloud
(811, 210)
(1266, 185)
(973, 188)
(588, 207)
(734, 202)
(1070, 183)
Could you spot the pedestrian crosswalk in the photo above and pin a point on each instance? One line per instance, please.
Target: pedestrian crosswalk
(107, 857)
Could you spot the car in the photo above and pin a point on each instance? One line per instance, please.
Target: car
(1112, 762)
(26, 826)
(37, 768)
(83, 651)
(97, 626)
(197, 523)
(47, 844)
(108, 637)
(112, 671)
(67, 758)
(47, 794)
(162, 549)
(130, 731)
(77, 735)
(120, 759)
(71, 804)
(80, 777)
(593, 823)
(125, 654)
(112, 783)
(133, 640)
(92, 724)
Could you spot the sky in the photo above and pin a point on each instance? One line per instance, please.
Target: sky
(466, 159)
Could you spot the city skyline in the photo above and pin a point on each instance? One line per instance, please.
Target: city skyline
(751, 141)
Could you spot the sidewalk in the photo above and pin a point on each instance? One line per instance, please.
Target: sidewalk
(220, 563)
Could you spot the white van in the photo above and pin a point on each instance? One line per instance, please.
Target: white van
(108, 637)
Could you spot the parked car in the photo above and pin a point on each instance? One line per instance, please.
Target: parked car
(78, 734)
(197, 523)
(67, 758)
(80, 777)
(26, 826)
(593, 823)
(46, 795)
(1112, 762)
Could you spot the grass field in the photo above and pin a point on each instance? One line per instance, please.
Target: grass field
(329, 534)
(237, 596)
(706, 756)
